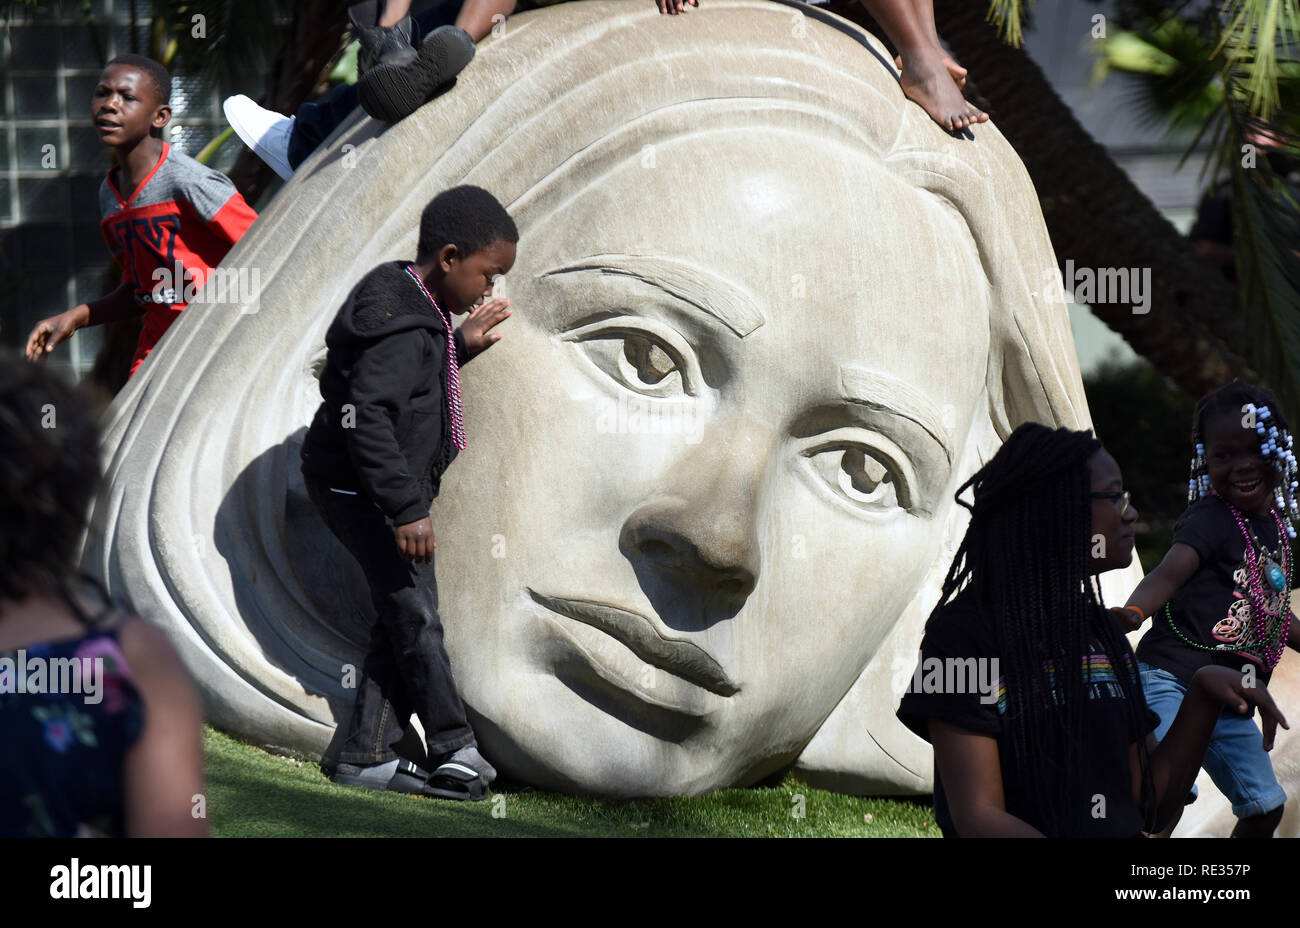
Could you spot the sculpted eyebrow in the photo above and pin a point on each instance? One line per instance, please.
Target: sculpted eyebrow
(889, 395)
(721, 299)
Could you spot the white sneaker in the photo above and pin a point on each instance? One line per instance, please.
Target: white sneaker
(265, 131)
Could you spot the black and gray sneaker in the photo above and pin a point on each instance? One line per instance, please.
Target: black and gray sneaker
(398, 776)
(470, 757)
(387, 46)
(393, 92)
(371, 776)
(462, 775)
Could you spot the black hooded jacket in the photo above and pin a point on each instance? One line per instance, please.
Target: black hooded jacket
(383, 427)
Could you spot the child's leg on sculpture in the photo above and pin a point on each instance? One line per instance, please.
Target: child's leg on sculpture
(925, 77)
(285, 142)
(924, 10)
(478, 17)
(394, 12)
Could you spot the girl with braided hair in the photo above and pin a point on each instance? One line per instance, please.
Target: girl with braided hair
(1057, 738)
(1221, 596)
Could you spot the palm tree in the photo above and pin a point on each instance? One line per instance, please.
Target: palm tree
(1200, 330)
(1194, 78)
(1226, 72)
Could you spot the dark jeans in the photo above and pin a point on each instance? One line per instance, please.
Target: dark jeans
(406, 668)
(315, 121)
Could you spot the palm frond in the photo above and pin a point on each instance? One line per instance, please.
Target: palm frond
(1009, 17)
(1266, 235)
(1134, 54)
(1253, 33)
(1174, 67)
(212, 147)
(228, 40)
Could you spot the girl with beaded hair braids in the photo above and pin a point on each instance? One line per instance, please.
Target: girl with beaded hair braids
(1221, 596)
(1057, 740)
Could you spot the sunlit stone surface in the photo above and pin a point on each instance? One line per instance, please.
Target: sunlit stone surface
(768, 317)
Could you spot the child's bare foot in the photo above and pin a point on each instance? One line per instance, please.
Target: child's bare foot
(958, 74)
(955, 71)
(927, 81)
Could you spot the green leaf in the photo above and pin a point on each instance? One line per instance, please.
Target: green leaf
(1008, 16)
(1257, 37)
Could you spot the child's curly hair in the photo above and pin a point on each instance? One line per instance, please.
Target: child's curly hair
(49, 473)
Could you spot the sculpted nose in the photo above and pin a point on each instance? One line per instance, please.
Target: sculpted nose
(712, 546)
(695, 547)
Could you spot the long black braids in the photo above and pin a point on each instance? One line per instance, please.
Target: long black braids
(1026, 557)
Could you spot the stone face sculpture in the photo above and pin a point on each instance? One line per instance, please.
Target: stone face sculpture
(767, 317)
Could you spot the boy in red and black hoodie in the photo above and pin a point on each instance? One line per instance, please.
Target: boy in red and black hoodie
(389, 424)
(168, 220)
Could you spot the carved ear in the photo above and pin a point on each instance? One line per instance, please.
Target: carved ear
(1033, 375)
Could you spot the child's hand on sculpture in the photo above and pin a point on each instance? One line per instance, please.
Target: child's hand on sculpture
(673, 7)
(476, 329)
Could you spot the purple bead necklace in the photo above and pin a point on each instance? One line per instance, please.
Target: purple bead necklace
(453, 375)
(1271, 646)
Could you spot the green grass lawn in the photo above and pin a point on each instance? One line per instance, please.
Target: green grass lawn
(252, 793)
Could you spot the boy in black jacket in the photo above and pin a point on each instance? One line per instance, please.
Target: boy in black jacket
(389, 424)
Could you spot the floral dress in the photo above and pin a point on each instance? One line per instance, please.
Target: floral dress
(68, 713)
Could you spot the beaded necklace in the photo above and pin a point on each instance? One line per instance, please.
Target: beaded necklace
(453, 376)
(1258, 641)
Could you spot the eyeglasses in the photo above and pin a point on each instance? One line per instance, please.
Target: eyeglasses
(1121, 498)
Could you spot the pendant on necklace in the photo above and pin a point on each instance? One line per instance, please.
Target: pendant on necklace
(1276, 578)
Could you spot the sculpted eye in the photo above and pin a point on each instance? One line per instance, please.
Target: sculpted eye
(858, 476)
(638, 361)
(650, 363)
(868, 475)
(644, 360)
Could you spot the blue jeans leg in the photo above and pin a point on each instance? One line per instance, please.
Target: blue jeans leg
(1235, 760)
(314, 122)
(1240, 767)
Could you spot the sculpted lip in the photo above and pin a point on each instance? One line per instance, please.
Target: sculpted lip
(680, 658)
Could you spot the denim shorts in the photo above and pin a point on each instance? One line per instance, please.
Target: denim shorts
(1235, 760)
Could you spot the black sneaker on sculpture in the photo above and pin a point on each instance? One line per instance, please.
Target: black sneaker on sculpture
(393, 92)
(380, 46)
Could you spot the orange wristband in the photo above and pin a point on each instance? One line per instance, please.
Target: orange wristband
(1141, 617)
